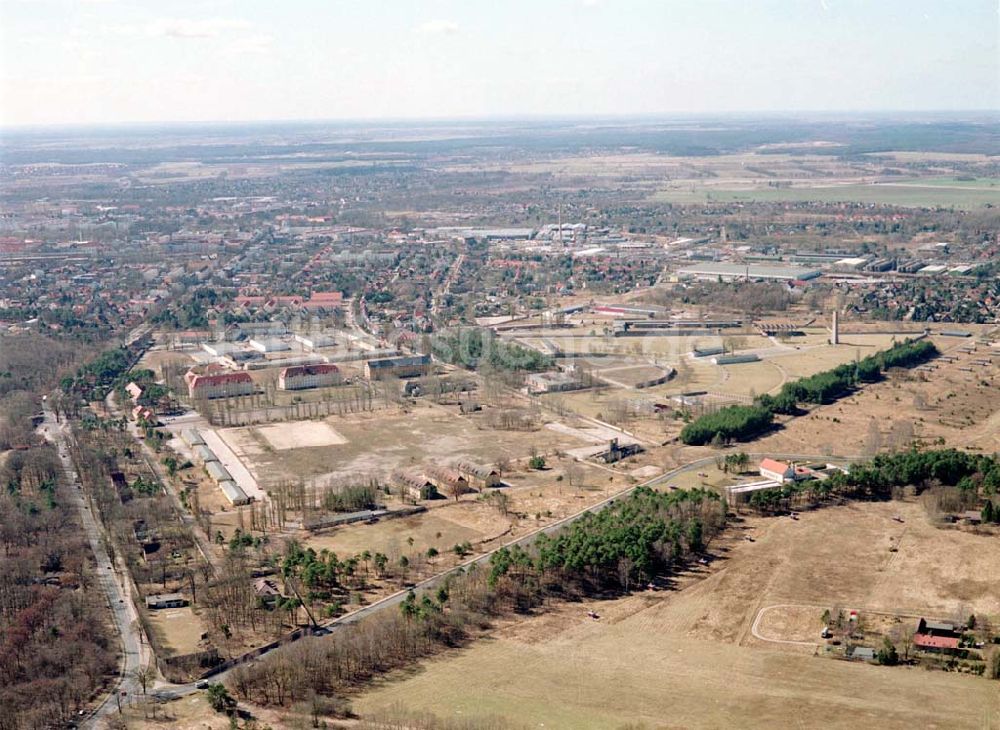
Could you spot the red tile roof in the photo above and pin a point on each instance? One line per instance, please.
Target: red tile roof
(194, 380)
(772, 465)
(935, 642)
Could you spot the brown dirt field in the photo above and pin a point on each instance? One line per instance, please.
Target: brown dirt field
(963, 408)
(530, 493)
(686, 658)
(178, 629)
(792, 623)
(456, 523)
(377, 443)
(190, 713)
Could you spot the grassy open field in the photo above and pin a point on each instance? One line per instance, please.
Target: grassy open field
(687, 658)
(957, 402)
(922, 193)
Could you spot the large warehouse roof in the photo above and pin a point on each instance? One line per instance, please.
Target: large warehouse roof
(711, 269)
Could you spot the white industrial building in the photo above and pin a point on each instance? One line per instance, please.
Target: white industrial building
(269, 344)
(315, 342)
(712, 271)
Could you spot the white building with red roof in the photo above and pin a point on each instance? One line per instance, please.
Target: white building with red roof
(218, 385)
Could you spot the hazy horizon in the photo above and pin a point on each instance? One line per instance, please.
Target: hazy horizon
(107, 62)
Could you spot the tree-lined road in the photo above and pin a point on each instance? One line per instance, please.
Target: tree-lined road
(114, 585)
(173, 691)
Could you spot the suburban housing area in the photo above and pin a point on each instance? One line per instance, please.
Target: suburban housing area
(505, 425)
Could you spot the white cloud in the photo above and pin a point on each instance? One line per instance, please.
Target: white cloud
(438, 27)
(258, 44)
(188, 28)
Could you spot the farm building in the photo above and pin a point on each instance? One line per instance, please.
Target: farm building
(218, 472)
(205, 454)
(415, 485)
(134, 391)
(166, 600)
(479, 476)
(450, 480)
(734, 359)
(218, 385)
(863, 653)
(300, 377)
(736, 493)
(404, 366)
(233, 493)
(192, 437)
(707, 351)
(937, 637)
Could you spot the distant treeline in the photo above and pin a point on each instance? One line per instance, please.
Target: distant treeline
(741, 423)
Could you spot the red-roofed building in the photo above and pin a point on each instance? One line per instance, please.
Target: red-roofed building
(778, 471)
(324, 300)
(936, 644)
(218, 385)
(300, 377)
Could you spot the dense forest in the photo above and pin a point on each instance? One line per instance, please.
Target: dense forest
(55, 647)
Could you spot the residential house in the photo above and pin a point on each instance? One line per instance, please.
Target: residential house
(266, 590)
(134, 391)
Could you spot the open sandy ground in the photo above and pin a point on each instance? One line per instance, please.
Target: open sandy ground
(688, 658)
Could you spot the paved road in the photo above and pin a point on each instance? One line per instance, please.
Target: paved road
(115, 588)
(174, 691)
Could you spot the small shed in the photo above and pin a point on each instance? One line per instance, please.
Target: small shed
(863, 653)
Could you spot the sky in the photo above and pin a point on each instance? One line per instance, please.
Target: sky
(111, 61)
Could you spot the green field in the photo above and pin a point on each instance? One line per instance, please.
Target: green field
(930, 192)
